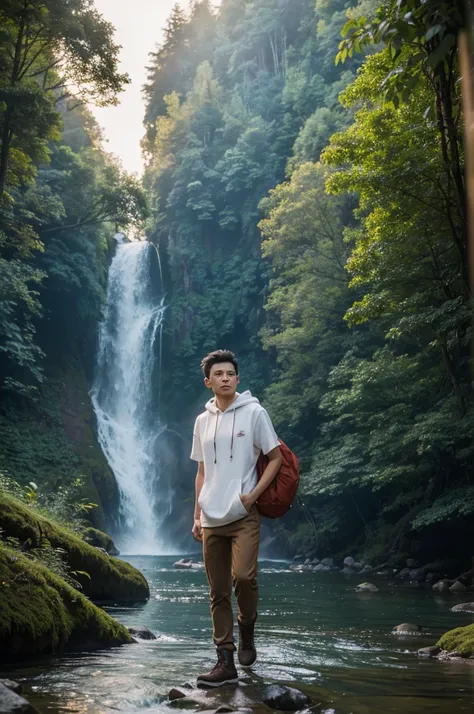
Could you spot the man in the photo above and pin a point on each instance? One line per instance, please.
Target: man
(227, 441)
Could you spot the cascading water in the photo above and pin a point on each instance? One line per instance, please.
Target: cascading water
(125, 395)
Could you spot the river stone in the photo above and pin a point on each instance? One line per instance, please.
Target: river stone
(223, 709)
(315, 561)
(142, 633)
(442, 586)
(357, 566)
(348, 571)
(349, 561)
(318, 568)
(463, 607)
(367, 588)
(329, 562)
(286, 699)
(14, 686)
(327, 569)
(429, 652)
(406, 629)
(418, 575)
(458, 587)
(175, 694)
(404, 574)
(366, 570)
(12, 703)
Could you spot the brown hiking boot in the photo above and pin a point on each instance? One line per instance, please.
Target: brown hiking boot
(247, 652)
(223, 672)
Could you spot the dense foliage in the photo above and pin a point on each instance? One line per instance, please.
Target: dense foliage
(264, 139)
(61, 197)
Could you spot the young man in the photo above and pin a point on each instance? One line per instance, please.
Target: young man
(227, 441)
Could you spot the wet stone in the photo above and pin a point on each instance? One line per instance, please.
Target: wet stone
(463, 607)
(284, 698)
(175, 694)
(406, 628)
(224, 708)
(367, 588)
(12, 703)
(429, 652)
(14, 686)
(142, 633)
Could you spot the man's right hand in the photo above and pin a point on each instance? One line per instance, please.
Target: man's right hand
(197, 530)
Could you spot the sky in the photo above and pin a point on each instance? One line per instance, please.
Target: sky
(139, 25)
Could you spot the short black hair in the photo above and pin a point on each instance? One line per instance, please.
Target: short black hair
(218, 356)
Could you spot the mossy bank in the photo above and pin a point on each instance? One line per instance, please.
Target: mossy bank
(41, 614)
(107, 579)
(460, 641)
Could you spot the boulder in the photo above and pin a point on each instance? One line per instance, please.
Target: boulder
(366, 570)
(406, 629)
(348, 571)
(349, 561)
(284, 698)
(318, 568)
(457, 587)
(326, 569)
(442, 586)
(358, 566)
(100, 540)
(458, 642)
(367, 588)
(12, 703)
(315, 561)
(142, 633)
(417, 575)
(429, 652)
(105, 579)
(463, 607)
(329, 562)
(224, 709)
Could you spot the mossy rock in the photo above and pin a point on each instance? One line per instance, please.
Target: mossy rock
(99, 539)
(108, 579)
(460, 640)
(41, 614)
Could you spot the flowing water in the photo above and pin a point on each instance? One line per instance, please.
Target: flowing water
(126, 395)
(314, 632)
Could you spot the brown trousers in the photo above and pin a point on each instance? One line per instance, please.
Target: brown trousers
(230, 556)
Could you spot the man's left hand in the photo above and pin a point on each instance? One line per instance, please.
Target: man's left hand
(247, 501)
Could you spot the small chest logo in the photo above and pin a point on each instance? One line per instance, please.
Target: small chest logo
(241, 433)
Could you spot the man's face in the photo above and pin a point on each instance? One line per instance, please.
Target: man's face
(223, 379)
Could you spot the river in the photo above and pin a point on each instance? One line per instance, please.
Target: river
(314, 631)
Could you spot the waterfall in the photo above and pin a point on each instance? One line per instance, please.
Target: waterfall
(125, 395)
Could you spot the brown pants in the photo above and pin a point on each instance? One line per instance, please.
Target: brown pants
(230, 555)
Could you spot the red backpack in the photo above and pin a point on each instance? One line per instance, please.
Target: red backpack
(278, 496)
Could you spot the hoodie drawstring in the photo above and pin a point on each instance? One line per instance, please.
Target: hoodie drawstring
(231, 441)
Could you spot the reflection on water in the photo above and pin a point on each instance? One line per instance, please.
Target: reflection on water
(313, 630)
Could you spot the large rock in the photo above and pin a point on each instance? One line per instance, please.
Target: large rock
(41, 614)
(349, 561)
(406, 628)
(442, 586)
(14, 686)
(12, 703)
(463, 607)
(417, 575)
(318, 568)
(329, 562)
(457, 587)
(348, 571)
(106, 579)
(460, 641)
(366, 570)
(284, 698)
(99, 539)
(404, 574)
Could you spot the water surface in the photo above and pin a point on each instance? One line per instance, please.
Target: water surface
(314, 631)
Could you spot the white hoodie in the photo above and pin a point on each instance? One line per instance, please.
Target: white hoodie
(229, 443)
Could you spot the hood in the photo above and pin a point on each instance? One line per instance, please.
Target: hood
(241, 401)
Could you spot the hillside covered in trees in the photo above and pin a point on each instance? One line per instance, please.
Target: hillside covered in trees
(343, 165)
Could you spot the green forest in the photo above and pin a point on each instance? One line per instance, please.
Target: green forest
(304, 185)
